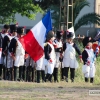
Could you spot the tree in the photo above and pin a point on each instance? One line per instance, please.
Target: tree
(45, 4)
(90, 17)
(55, 15)
(78, 5)
(9, 8)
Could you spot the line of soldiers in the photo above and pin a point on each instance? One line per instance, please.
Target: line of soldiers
(17, 65)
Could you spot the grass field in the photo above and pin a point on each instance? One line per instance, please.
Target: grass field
(79, 90)
(47, 91)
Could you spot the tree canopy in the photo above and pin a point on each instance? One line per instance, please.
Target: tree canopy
(8, 8)
(45, 4)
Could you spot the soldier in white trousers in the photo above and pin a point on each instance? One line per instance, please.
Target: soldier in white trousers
(18, 53)
(49, 55)
(58, 51)
(88, 57)
(69, 59)
(7, 61)
(2, 67)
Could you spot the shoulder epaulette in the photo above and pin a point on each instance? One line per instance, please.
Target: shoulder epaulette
(45, 44)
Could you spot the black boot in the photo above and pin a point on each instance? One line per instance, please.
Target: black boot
(72, 80)
(20, 73)
(16, 73)
(66, 69)
(91, 80)
(62, 74)
(4, 72)
(38, 76)
(24, 73)
(72, 74)
(43, 75)
(55, 74)
(8, 74)
(47, 77)
(50, 78)
(86, 79)
(1, 66)
(12, 74)
(30, 74)
(27, 74)
(33, 75)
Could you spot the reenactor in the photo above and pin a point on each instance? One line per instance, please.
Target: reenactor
(18, 54)
(10, 71)
(58, 51)
(89, 54)
(69, 60)
(50, 55)
(6, 41)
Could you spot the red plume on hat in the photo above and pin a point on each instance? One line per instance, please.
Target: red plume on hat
(24, 27)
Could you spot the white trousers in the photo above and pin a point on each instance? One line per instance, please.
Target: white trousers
(19, 60)
(68, 62)
(8, 61)
(39, 63)
(88, 71)
(51, 67)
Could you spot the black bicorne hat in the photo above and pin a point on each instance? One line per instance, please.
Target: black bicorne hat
(69, 35)
(86, 40)
(20, 30)
(59, 34)
(13, 28)
(6, 26)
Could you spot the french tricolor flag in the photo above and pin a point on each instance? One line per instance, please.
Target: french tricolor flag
(33, 41)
